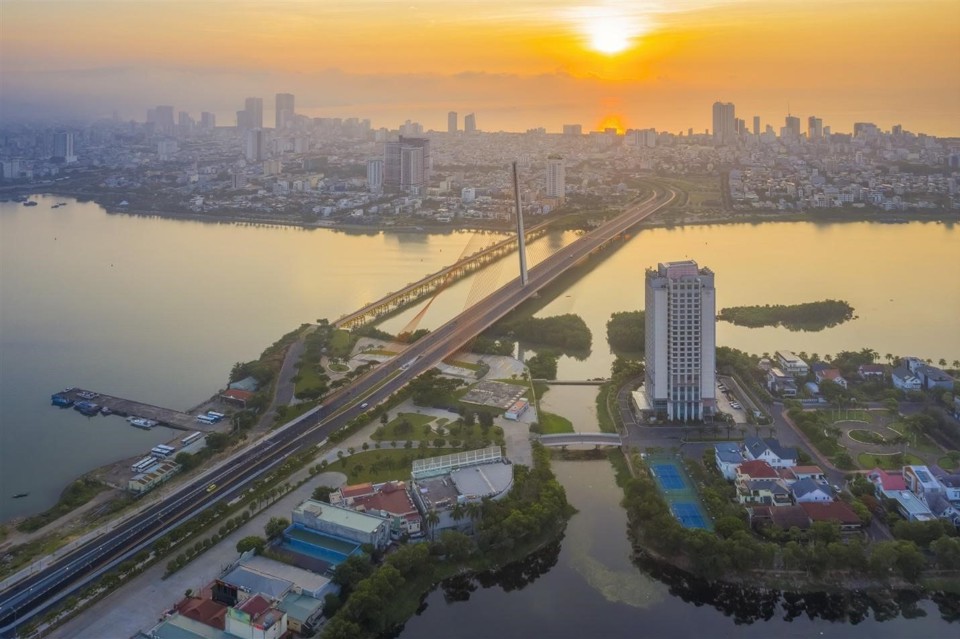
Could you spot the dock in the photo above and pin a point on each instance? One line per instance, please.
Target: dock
(131, 408)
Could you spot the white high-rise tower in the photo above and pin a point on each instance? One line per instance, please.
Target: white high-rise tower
(680, 341)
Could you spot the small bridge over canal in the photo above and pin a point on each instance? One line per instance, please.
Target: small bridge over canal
(581, 439)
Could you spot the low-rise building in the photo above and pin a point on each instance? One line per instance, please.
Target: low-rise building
(912, 507)
(781, 383)
(256, 618)
(517, 409)
(921, 481)
(903, 379)
(807, 491)
(770, 451)
(767, 492)
(361, 528)
(830, 375)
(728, 457)
(871, 371)
(152, 478)
(791, 364)
(837, 511)
(389, 499)
(887, 483)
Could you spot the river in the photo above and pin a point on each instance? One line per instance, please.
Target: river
(587, 586)
(159, 309)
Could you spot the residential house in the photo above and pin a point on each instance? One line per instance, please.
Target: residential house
(830, 374)
(768, 492)
(755, 469)
(912, 507)
(871, 371)
(835, 511)
(933, 378)
(728, 457)
(781, 383)
(949, 482)
(791, 364)
(886, 483)
(809, 472)
(770, 451)
(943, 509)
(388, 499)
(807, 491)
(921, 481)
(783, 517)
(905, 380)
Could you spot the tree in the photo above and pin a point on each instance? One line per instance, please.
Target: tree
(252, 542)
(431, 519)
(275, 527)
(384, 418)
(352, 571)
(322, 493)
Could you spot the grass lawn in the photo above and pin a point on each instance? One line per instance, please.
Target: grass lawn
(947, 463)
(390, 432)
(868, 461)
(338, 368)
(468, 365)
(287, 413)
(308, 377)
(866, 436)
(551, 424)
(383, 465)
(341, 344)
(604, 418)
(380, 351)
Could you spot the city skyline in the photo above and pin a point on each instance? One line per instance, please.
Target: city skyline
(637, 67)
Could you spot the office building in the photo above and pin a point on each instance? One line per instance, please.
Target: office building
(573, 129)
(452, 122)
(406, 165)
(254, 111)
(756, 125)
(556, 178)
(208, 120)
(284, 110)
(724, 123)
(470, 123)
(814, 128)
(253, 145)
(375, 175)
(791, 128)
(63, 148)
(680, 341)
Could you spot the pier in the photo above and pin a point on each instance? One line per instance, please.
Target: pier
(131, 408)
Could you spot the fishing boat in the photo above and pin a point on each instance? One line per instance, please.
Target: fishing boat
(20, 495)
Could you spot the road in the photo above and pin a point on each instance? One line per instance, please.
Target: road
(40, 591)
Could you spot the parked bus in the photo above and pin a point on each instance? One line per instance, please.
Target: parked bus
(143, 465)
(215, 414)
(189, 439)
(205, 419)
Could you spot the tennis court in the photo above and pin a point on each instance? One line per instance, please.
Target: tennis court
(668, 476)
(689, 515)
(678, 490)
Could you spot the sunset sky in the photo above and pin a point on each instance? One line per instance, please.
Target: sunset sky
(517, 64)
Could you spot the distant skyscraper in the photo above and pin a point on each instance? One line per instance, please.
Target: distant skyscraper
(208, 120)
(556, 177)
(573, 129)
(897, 129)
(284, 110)
(724, 123)
(375, 175)
(162, 118)
(470, 123)
(756, 125)
(63, 147)
(253, 145)
(680, 341)
(406, 164)
(254, 109)
(792, 127)
(452, 122)
(814, 128)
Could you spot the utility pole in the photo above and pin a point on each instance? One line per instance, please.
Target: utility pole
(520, 236)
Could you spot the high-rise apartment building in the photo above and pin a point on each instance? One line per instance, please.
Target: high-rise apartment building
(452, 123)
(406, 164)
(573, 129)
(253, 145)
(284, 110)
(756, 125)
(724, 123)
(470, 123)
(375, 175)
(680, 341)
(556, 177)
(254, 109)
(63, 147)
(208, 120)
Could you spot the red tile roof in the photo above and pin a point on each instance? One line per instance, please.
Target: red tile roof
(255, 605)
(832, 511)
(889, 480)
(808, 470)
(205, 610)
(356, 490)
(757, 469)
(240, 395)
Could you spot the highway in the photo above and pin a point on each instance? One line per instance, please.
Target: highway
(38, 592)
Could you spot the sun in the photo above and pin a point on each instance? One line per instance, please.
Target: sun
(608, 35)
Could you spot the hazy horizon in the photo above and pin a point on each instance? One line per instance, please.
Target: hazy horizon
(517, 65)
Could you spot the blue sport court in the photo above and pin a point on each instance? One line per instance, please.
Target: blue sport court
(689, 515)
(668, 476)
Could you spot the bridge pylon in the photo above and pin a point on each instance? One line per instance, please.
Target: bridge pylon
(521, 239)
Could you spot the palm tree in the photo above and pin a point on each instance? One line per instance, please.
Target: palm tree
(432, 519)
(458, 512)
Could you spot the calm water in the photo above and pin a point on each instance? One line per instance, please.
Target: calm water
(158, 310)
(586, 586)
